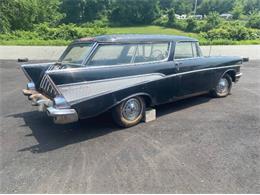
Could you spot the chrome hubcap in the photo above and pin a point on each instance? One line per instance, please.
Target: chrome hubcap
(131, 109)
(222, 86)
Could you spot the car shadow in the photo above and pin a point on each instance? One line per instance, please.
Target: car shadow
(51, 136)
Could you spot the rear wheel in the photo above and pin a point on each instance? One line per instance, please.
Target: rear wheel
(130, 112)
(223, 87)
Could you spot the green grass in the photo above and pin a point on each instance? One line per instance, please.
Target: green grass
(149, 30)
(135, 30)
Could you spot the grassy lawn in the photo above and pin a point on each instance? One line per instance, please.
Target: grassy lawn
(135, 30)
(149, 30)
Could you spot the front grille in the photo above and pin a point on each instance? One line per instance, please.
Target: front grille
(47, 87)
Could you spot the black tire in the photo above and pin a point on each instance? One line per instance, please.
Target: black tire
(119, 113)
(222, 90)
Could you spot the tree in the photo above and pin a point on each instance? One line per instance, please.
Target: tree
(81, 11)
(213, 20)
(125, 12)
(251, 6)
(220, 6)
(191, 25)
(171, 18)
(237, 11)
(23, 14)
(254, 21)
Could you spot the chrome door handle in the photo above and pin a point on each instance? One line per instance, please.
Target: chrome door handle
(177, 64)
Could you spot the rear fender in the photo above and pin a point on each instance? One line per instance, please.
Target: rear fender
(35, 72)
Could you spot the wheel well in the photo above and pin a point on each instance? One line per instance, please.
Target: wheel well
(232, 74)
(147, 99)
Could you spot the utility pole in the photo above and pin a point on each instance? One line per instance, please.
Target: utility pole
(195, 7)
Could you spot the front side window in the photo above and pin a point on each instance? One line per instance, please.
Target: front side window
(108, 54)
(77, 53)
(186, 50)
(183, 50)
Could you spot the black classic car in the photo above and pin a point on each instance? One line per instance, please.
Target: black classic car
(126, 74)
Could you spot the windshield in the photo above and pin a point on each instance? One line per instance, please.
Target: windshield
(77, 53)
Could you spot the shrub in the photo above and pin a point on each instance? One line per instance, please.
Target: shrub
(213, 20)
(62, 32)
(192, 25)
(162, 21)
(237, 33)
(254, 21)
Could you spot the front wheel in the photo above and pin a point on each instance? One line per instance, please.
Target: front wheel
(130, 112)
(223, 87)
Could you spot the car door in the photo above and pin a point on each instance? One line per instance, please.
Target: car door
(191, 70)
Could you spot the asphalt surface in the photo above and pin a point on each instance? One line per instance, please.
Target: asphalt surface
(198, 145)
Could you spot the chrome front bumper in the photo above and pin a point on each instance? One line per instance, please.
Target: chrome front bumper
(238, 76)
(44, 104)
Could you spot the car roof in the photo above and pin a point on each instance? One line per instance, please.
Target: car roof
(136, 38)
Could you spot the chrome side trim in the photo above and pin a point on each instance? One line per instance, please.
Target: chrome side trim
(201, 70)
(29, 65)
(111, 79)
(142, 75)
(74, 92)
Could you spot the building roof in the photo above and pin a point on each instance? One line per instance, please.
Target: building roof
(133, 38)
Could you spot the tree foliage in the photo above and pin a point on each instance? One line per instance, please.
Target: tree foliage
(125, 12)
(212, 21)
(171, 18)
(23, 14)
(81, 11)
(254, 20)
(220, 6)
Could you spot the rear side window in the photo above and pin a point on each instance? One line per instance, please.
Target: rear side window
(149, 52)
(186, 50)
(113, 54)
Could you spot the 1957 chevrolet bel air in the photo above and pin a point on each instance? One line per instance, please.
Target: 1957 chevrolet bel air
(126, 74)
